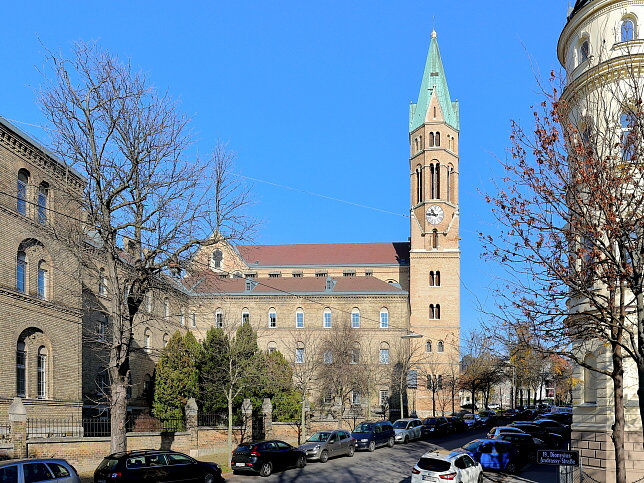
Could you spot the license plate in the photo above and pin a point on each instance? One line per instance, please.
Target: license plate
(429, 478)
(240, 464)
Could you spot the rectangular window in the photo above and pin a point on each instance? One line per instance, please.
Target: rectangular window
(42, 376)
(355, 398)
(384, 397)
(182, 317)
(42, 283)
(193, 320)
(355, 355)
(327, 320)
(297, 274)
(412, 379)
(272, 320)
(22, 194)
(21, 273)
(384, 356)
(274, 274)
(299, 355)
(299, 320)
(21, 357)
(355, 320)
(219, 320)
(101, 327)
(368, 273)
(328, 357)
(384, 320)
(328, 397)
(321, 273)
(349, 273)
(42, 206)
(245, 318)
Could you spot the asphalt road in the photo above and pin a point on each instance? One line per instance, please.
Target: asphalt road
(392, 465)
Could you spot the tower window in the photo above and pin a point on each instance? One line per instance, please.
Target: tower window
(217, 258)
(434, 171)
(627, 121)
(419, 184)
(434, 311)
(434, 279)
(430, 140)
(435, 239)
(437, 139)
(584, 51)
(627, 30)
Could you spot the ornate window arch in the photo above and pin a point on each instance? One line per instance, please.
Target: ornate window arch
(271, 347)
(628, 28)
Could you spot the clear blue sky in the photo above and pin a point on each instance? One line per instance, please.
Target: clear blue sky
(314, 96)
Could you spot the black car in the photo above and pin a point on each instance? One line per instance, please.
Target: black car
(511, 414)
(435, 427)
(526, 444)
(552, 426)
(265, 456)
(552, 440)
(458, 423)
(153, 466)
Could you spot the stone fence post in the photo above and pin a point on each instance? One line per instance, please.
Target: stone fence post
(18, 432)
(247, 423)
(267, 412)
(192, 426)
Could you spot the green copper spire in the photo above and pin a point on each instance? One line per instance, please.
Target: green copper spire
(434, 84)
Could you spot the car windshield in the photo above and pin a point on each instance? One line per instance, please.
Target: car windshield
(400, 424)
(473, 446)
(108, 464)
(433, 464)
(319, 437)
(364, 428)
(431, 421)
(468, 416)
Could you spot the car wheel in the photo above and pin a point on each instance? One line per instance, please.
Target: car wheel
(406, 440)
(511, 468)
(301, 462)
(391, 442)
(352, 450)
(480, 480)
(209, 478)
(266, 469)
(324, 456)
(372, 446)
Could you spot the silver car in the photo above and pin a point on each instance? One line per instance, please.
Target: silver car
(323, 445)
(408, 429)
(43, 469)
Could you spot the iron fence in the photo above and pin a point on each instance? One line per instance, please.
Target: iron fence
(102, 427)
(212, 419)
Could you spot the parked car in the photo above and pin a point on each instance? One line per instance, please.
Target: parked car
(511, 414)
(40, 469)
(496, 430)
(457, 466)
(371, 434)
(526, 444)
(552, 440)
(494, 454)
(435, 427)
(473, 421)
(323, 445)
(488, 418)
(458, 423)
(265, 456)
(152, 466)
(564, 418)
(554, 427)
(408, 429)
(494, 406)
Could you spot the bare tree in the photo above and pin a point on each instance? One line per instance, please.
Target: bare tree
(130, 143)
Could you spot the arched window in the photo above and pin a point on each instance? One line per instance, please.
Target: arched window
(21, 374)
(428, 346)
(272, 318)
(584, 51)
(627, 30)
(43, 280)
(42, 372)
(435, 112)
(432, 281)
(434, 311)
(43, 201)
(219, 319)
(21, 194)
(419, 184)
(182, 316)
(421, 142)
(440, 347)
(450, 182)
(383, 356)
(102, 287)
(166, 339)
(299, 318)
(193, 319)
(437, 139)
(435, 238)
(166, 308)
(327, 321)
(21, 272)
(245, 316)
(416, 145)
(271, 347)
(384, 318)
(439, 382)
(590, 380)
(355, 353)
(355, 318)
(217, 258)
(430, 140)
(147, 340)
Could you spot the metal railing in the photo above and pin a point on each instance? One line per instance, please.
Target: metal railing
(102, 427)
(212, 419)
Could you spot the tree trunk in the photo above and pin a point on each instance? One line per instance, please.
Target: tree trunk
(618, 427)
(118, 414)
(230, 421)
(640, 351)
(402, 413)
(302, 434)
(433, 401)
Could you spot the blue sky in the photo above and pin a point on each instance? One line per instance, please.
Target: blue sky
(314, 96)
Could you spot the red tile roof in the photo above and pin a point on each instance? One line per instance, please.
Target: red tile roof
(210, 282)
(326, 254)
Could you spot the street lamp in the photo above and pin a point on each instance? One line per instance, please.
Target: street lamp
(408, 336)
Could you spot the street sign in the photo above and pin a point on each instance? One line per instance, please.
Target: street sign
(550, 457)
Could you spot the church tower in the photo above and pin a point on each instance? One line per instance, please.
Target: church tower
(435, 254)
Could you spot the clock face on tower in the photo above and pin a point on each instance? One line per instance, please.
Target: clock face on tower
(435, 214)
